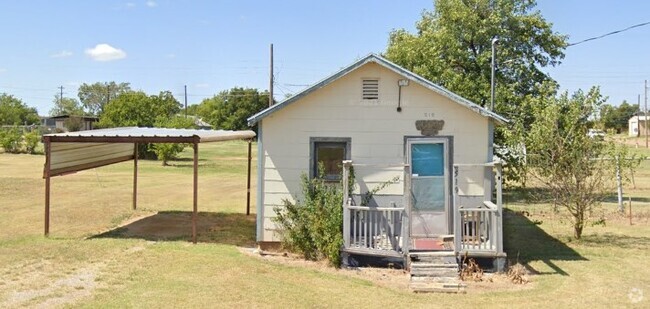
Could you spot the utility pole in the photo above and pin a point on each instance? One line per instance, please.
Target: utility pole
(645, 115)
(61, 97)
(271, 80)
(185, 101)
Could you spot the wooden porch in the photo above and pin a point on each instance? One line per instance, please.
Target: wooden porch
(384, 231)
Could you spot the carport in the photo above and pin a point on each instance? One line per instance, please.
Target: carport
(67, 153)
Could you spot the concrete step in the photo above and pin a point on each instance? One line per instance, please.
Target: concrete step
(437, 287)
(433, 265)
(432, 253)
(451, 280)
(434, 273)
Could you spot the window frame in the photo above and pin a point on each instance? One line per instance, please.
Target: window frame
(314, 142)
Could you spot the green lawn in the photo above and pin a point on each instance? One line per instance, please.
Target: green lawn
(87, 262)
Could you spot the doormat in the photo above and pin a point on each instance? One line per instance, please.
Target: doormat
(428, 244)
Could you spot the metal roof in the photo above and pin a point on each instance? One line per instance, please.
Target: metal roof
(77, 151)
(391, 66)
(149, 135)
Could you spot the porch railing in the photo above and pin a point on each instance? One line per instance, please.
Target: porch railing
(372, 230)
(375, 228)
(478, 228)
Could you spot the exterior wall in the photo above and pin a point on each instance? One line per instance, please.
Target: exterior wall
(635, 123)
(377, 133)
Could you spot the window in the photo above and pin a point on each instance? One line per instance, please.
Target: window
(330, 152)
(370, 89)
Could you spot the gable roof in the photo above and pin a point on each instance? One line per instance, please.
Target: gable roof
(388, 65)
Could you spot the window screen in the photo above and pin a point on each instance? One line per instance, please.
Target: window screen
(330, 155)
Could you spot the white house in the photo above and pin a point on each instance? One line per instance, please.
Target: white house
(637, 125)
(390, 123)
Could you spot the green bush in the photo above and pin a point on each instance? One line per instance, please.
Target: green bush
(313, 226)
(11, 139)
(31, 140)
(168, 151)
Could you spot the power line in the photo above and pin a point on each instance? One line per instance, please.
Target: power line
(610, 33)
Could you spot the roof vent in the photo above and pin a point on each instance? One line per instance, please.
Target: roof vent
(370, 89)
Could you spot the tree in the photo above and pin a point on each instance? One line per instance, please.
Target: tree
(229, 109)
(135, 108)
(168, 151)
(14, 112)
(616, 118)
(95, 96)
(66, 106)
(452, 47)
(193, 109)
(576, 169)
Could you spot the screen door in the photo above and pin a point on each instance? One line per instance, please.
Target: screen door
(429, 187)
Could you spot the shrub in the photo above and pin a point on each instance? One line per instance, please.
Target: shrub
(10, 140)
(31, 140)
(167, 151)
(313, 226)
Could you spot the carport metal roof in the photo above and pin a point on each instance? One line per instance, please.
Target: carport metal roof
(76, 151)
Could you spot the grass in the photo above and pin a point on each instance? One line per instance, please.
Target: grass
(89, 262)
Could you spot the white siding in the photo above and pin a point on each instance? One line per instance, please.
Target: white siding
(377, 131)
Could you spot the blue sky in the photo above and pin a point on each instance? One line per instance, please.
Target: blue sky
(214, 45)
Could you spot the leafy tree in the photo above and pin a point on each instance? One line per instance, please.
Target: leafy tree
(577, 170)
(66, 106)
(168, 151)
(95, 96)
(229, 109)
(14, 112)
(452, 47)
(135, 108)
(192, 109)
(616, 118)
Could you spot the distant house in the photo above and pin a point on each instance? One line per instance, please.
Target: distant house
(387, 122)
(66, 123)
(48, 123)
(199, 123)
(637, 125)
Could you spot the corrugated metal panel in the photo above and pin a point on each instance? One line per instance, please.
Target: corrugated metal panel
(126, 132)
(76, 151)
(72, 157)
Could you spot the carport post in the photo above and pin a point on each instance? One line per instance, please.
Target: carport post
(196, 183)
(48, 147)
(248, 180)
(135, 176)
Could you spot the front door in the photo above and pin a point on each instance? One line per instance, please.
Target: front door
(429, 187)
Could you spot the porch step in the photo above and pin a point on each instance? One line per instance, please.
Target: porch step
(435, 272)
(438, 288)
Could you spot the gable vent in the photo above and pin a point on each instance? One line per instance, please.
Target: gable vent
(370, 90)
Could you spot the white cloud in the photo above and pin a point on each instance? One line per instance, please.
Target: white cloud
(62, 54)
(105, 52)
(2, 70)
(152, 4)
(202, 85)
(130, 5)
(171, 56)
